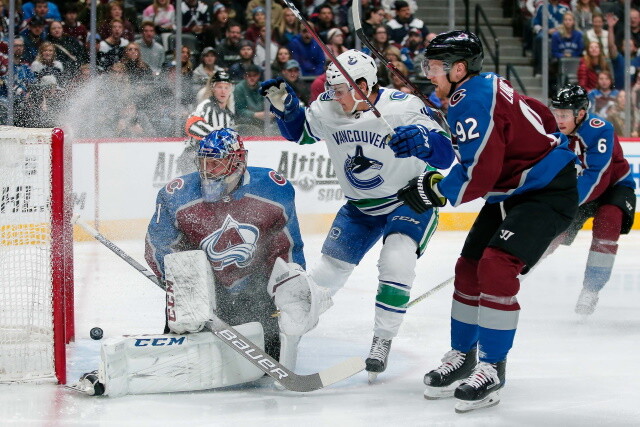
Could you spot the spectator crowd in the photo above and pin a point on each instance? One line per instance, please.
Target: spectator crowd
(592, 32)
(137, 66)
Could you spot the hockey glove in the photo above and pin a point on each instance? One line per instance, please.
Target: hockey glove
(411, 140)
(283, 99)
(296, 295)
(421, 193)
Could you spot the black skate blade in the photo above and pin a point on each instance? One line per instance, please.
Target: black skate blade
(464, 406)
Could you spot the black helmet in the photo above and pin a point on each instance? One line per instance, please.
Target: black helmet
(571, 97)
(221, 76)
(454, 46)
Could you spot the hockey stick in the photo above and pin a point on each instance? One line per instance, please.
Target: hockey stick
(430, 292)
(357, 23)
(331, 56)
(242, 345)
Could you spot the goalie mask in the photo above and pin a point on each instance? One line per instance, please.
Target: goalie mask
(358, 65)
(221, 160)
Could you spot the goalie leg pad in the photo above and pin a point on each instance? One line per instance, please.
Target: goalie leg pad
(144, 364)
(289, 350)
(300, 300)
(191, 297)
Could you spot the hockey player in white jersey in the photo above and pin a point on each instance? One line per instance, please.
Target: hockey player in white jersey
(370, 175)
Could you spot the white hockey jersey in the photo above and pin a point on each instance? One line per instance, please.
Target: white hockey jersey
(366, 168)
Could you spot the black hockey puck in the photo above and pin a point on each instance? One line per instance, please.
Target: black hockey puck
(96, 333)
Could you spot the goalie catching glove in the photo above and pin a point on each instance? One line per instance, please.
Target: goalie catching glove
(284, 101)
(299, 299)
(421, 193)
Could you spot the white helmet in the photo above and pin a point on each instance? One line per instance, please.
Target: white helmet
(357, 64)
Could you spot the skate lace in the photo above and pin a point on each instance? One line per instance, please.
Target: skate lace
(379, 348)
(451, 361)
(482, 374)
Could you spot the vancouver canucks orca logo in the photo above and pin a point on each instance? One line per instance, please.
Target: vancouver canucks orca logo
(233, 243)
(351, 60)
(359, 164)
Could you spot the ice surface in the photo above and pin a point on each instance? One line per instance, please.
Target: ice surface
(561, 371)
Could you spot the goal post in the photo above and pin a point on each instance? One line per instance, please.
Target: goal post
(36, 254)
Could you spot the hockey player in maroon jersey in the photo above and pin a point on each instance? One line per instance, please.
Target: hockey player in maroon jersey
(224, 239)
(606, 189)
(527, 177)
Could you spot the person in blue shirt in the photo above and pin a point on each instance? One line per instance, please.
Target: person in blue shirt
(309, 55)
(556, 13)
(567, 42)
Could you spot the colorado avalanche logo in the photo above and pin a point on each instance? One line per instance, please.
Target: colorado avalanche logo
(596, 123)
(277, 178)
(457, 97)
(351, 60)
(174, 185)
(233, 243)
(359, 164)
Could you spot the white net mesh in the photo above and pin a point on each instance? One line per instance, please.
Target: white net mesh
(26, 320)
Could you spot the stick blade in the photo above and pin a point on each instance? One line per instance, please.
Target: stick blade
(342, 371)
(327, 377)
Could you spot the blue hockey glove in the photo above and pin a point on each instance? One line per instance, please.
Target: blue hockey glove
(283, 99)
(421, 194)
(411, 140)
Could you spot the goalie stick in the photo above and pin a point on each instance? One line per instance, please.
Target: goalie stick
(416, 299)
(242, 345)
(357, 23)
(331, 56)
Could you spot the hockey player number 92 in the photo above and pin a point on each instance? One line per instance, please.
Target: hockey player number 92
(471, 134)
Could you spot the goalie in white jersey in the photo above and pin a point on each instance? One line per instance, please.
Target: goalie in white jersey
(370, 175)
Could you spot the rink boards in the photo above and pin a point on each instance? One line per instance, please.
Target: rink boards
(115, 182)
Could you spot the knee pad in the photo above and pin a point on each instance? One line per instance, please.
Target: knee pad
(498, 274)
(331, 273)
(397, 262)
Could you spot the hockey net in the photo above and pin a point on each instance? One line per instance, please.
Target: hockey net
(36, 254)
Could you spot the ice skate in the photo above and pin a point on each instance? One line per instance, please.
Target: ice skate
(88, 384)
(456, 366)
(481, 388)
(378, 355)
(587, 302)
